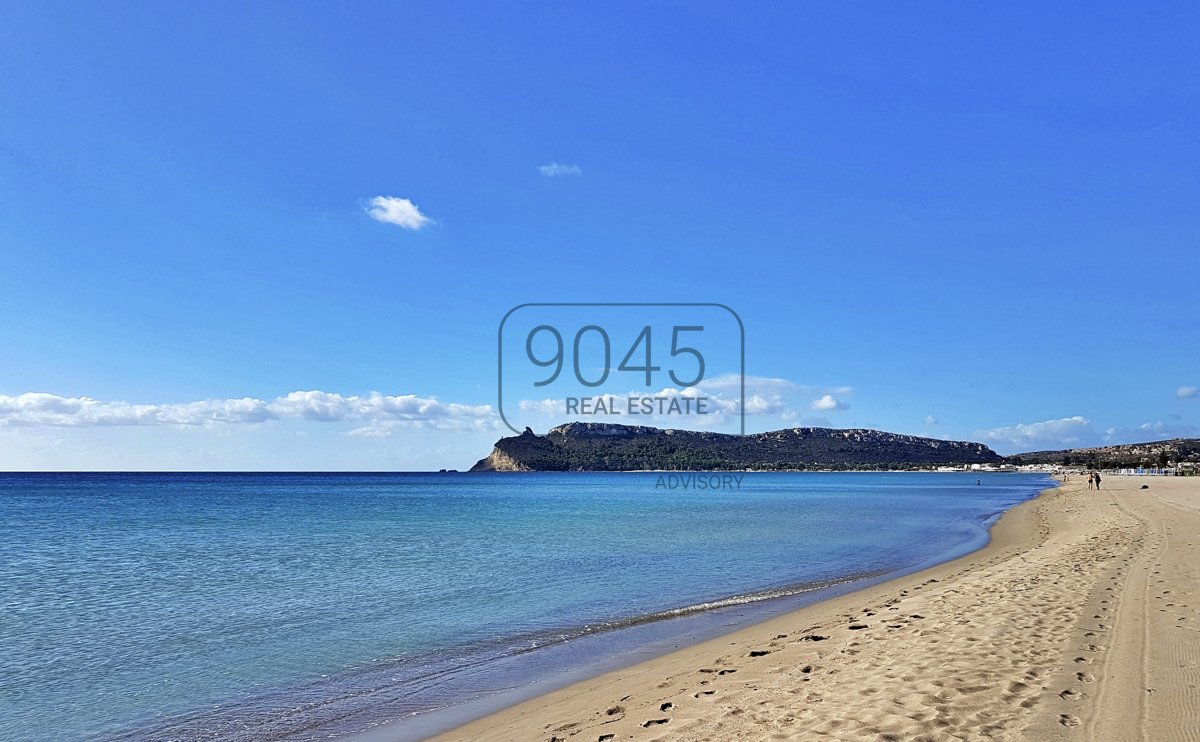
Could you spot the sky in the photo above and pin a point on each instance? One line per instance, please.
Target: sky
(279, 236)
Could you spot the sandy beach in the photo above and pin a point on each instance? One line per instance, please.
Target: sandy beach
(1079, 621)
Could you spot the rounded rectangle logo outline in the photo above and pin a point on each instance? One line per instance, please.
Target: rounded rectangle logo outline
(737, 318)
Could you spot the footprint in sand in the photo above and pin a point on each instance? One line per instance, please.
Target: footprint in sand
(666, 706)
(654, 722)
(1067, 720)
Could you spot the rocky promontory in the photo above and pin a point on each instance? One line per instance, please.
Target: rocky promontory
(607, 447)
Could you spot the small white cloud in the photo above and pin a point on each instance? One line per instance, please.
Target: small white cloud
(730, 382)
(1187, 392)
(558, 170)
(398, 211)
(543, 406)
(828, 402)
(931, 420)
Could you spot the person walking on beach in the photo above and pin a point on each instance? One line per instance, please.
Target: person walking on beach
(1097, 475)
(1091, 478)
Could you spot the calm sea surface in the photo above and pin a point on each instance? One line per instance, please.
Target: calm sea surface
(296, 606)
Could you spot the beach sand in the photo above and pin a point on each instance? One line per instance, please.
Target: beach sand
(1079, 621)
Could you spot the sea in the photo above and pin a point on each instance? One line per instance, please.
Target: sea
(283, 606)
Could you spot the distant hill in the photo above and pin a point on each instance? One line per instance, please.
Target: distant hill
(607, 447)
(1155, 453)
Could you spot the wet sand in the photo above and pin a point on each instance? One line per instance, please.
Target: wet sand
(1079, 621)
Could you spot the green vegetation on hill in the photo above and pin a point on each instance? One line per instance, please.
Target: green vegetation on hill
(607, 447)
(1153, 454)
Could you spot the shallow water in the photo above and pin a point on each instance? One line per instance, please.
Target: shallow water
(270, 606)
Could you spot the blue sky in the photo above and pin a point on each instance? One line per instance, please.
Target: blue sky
(962, 221)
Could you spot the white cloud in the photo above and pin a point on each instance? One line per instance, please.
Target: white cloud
(1067, 432)
(379, 412)
(1156, 430)
(1161, 429)
(1187, 392)
(769, 385)
(931, 420)
(398, 211)
(558, 170)
(828, 402)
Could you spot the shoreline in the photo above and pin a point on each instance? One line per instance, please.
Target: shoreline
(974, 646)
(674, 634)
(650, 637)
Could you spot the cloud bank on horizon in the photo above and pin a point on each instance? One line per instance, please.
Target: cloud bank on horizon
(1077, 431)
(377, 412)
(771, 401)
(380, 415)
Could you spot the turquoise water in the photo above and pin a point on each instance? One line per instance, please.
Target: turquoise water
(272, 606)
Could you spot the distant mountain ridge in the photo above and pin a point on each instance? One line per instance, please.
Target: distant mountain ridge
(1152, 453)
(582, 446)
